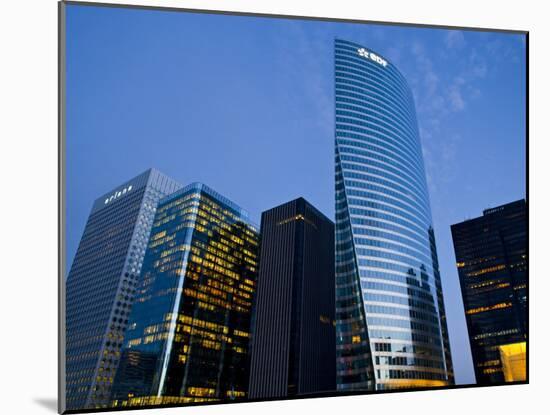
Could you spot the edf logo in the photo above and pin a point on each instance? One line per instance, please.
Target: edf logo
(372, 56)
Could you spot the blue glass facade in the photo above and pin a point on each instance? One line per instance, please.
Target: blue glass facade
(101, 283)
(390, 319)
(189, 330)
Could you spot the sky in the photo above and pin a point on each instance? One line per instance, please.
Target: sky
(246, 105)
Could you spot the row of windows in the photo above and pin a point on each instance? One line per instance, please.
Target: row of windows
(386, 171)
(352, 61)
(380, 223)
(348, 294)
(345, 84)
(373, 176)
(397, 205)
(350, 68)
(410, 291)
(371, 297)
(344, 261)
(353, 147)
(392, 258)
(384, 161)
(345, 119)
(369, 135)
(358, 97)
(391, 236)
(357, 190)
(400, 220)
(389, 243)
(354, 102)
(369, 113)
(350, 49)
(356, 66)
(425, 315)
(359, 141)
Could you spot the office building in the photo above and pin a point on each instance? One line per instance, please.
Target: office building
(390, 318)
(293, 342)
(189, 330)
(491, 257)
(101, 284)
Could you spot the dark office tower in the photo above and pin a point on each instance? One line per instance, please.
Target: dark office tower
(293, 341)
(390, 320)
(187, 340)
(101, 285)
(491, 257)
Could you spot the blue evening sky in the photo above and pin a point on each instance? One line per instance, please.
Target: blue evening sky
(245, 105)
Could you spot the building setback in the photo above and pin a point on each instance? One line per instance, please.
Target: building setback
(491, 257)
(101, 284)
(391, 326)
(189, 328)
(293, 343)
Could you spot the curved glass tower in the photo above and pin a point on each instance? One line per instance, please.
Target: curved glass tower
(390, 319)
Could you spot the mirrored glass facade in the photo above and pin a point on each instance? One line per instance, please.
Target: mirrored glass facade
(101, 284)
(390, 319)
(189, 330)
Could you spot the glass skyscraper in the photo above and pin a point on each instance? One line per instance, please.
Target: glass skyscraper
(189, 330)
(101, 285)
(390, 320)
(491, 257)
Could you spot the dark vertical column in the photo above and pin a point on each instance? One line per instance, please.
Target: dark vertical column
(271, 339)
(318, 339)
(293, 343)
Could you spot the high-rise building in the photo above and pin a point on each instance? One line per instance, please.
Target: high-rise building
(189, 330)
(390, 318)
(293, 339)
(101, 284)
(491, 257)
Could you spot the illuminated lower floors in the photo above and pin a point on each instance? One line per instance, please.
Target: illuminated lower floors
(159, 401)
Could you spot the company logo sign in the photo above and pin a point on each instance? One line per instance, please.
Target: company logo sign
(372, 56)
(118, 194)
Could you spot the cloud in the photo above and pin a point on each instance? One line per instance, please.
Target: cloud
(441, 90)
(439, 94)
(427, 90)
(440, 153)
(307, 60)
(473, 92)
(477, 65)
(455, 39)
(505, 52)
(394, 54)
(456, 95)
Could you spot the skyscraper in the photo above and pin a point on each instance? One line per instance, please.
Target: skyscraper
(101, 284)
(390, 318)
(293, 341)
(189, 328)
(491, 257)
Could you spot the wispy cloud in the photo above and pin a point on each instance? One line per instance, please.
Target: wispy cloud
(456, 94)
(477, 65)
(455, 39)
(501, 51)
(426, 84)
(442, 90)
(306, 64)
(425, 65)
